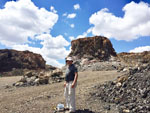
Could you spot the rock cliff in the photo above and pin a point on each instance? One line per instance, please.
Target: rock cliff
(12, 59)
(96, 47)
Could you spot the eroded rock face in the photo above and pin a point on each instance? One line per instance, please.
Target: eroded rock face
(133, 59)
(10, 59)
(92, 47)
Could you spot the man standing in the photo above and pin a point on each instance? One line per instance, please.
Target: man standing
(70, 85)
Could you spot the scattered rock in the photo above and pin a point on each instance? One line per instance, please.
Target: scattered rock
(131, 92)
(32, 78)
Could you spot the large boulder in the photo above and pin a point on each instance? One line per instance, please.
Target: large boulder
(12, 59)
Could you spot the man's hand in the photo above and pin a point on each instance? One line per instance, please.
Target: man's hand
(65, 84)
(72, 85)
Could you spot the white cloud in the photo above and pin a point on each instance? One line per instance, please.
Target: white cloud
(52, 42)
(66, 34)
(85, 34)
(134, 23)
(71, 38)
(49, 60)
(72, 25)
(82, 36)
(76, 6)
(140, 49)
(53, 48)
(22, 19)
(27, 47)
(65, 14)
(73, 15)
(53, 9)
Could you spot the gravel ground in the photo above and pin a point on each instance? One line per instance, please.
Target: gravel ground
(44, 98)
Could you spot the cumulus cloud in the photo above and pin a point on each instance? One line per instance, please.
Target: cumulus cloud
(53, 48)
(72, 25)
(85, 34)
(140, 49)
(53, 9)
(71, 38)
(76, 6)
(134, 23)
(73, 15)
(22, 20)
(65, 14)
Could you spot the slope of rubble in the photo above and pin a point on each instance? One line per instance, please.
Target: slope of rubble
(130, 92)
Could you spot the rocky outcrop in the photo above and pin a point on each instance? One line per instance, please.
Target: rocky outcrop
(135, 59)
(12, 59)
(93, 54)
(97, 47)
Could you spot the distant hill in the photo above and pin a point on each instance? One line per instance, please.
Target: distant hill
(10, 59)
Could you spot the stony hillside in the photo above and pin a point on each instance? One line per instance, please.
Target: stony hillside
(97, 54)
(130, 92)
(133, 59)
(12, 59)
(32, 67)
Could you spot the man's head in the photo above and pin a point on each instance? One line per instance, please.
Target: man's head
(69, 60)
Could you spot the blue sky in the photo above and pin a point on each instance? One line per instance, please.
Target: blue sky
(48, 26)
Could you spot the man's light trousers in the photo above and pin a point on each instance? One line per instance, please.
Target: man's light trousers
(70, 96)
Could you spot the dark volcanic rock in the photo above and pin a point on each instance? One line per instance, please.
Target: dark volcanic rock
(130, 92)
(10, 59)
(92, 47)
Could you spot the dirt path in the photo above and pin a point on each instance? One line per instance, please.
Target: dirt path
(43, 99)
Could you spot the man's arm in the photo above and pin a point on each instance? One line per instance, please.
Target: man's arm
(75, 79)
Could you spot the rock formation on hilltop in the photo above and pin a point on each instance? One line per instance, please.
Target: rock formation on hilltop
(93, 53)
(12, 59)
(97, 53)
(97, 47)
